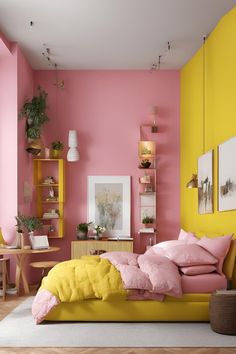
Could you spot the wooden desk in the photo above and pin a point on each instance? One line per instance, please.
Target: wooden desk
(21, 255)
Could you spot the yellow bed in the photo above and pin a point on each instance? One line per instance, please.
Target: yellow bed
(190, 307)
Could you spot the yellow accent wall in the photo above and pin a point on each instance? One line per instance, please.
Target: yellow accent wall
(220, 52)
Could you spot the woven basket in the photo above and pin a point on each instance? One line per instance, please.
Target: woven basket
(223, 313)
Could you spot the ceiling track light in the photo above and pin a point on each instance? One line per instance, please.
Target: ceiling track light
(157, 65)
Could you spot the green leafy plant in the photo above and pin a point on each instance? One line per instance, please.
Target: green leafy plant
(57, 145)
(147, 220)
(31, 223)
(35, 113)
(83, 227)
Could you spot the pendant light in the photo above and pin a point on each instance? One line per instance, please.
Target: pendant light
(193, 182)
(73, 153)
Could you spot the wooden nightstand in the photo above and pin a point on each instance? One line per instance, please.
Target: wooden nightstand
(83, 248)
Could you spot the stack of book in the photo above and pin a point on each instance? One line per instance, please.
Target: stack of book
(50, 215)
(147, 230)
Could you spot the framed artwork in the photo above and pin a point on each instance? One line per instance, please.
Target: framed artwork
(227, 175)
(205, 183)
(109, 204)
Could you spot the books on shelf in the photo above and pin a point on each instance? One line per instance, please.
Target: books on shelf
(147, 230)
(226, 292)
(50, 216)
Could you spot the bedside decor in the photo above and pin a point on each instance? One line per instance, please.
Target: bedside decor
(82, 230)
(147, 221)
(109, 204)
(227, 176)
(99, 231)
(205, 183)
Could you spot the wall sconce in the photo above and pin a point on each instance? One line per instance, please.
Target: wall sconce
(35, 147)
(147, 149)
(192, 183)
(73, 153)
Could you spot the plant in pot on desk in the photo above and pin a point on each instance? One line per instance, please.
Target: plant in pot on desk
(57, 147)
(30, 223)
(82, 230)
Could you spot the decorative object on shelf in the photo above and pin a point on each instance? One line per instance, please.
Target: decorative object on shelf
(51, 214)
(57, 147)
(145, 163)
(35, 113)
(227, 175)
(51, 195)
(145, 179)
(148, 189)
(94, 252)
(99, 230)
(147, 149)
(109, 203)
(46, 153)
(205, 183)
(192, 183)
(73, 153)
(82, 230)
(48, 180)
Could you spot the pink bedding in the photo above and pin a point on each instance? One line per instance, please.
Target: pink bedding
(203, 283)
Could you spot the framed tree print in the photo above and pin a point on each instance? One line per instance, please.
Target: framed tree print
(205, 183)
(109, 204)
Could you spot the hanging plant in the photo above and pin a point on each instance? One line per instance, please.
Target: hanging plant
(35, 113)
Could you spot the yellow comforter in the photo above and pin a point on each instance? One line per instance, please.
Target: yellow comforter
(86, 278)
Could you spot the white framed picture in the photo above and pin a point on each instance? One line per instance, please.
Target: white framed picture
(109, 204)
(205, 183)
(227, 175)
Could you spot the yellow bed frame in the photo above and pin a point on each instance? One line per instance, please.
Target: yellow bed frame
(190, 307)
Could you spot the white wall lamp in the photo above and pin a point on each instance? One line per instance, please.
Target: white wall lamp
(73, 153)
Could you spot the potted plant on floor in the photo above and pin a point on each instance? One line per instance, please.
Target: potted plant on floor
(82, 230)
(35, 113)
(57, 147)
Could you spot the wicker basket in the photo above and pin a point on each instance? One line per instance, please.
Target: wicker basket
(223, 313)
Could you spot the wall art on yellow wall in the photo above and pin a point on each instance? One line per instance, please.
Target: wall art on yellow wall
(227, 175)
(205, 183)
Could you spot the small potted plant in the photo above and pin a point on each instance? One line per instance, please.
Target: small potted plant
(57, 147)
(82, 230)
(145, 163)
(147, 221)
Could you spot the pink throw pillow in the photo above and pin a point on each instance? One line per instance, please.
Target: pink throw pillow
(189, 255)
(218, 247)
(198, 269)
(187, 237)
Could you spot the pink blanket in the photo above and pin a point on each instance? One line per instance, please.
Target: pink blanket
(147, 277)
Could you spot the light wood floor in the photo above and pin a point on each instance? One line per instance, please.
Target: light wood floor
(13, 301)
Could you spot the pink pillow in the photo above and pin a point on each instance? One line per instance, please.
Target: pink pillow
(189, 255)
(187, 237)
(218, 247)
(198, 269)
(160, 247)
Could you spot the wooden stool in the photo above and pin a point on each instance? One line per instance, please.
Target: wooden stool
(4, 276)
(45, 266)
(223, 312)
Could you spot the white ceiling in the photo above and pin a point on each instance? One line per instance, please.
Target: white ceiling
(110, 34)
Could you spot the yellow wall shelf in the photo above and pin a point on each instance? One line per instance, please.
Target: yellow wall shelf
(41, 168)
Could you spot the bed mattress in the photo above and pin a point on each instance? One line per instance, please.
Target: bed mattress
(204, 283)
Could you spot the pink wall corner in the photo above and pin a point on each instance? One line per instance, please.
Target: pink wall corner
(106, 108)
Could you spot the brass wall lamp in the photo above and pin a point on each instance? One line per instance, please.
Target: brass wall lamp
(192, 183)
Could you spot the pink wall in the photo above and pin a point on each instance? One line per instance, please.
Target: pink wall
(8, 140)
(106, 108)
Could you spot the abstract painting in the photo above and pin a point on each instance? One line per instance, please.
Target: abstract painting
(205, 183)
(109, 204)
(227, 175)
